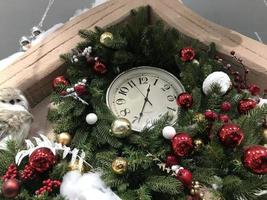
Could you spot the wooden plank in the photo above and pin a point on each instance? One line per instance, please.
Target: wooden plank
(34, 71)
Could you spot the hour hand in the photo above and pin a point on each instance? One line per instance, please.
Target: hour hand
(143, 95)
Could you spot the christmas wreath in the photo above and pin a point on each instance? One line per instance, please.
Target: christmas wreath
(156, 115)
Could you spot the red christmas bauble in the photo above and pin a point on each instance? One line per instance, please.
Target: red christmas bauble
(42, 159)
(226, 106)
(255, 159)
(224, 118)
(80, 89)
(187, 54)
(100, 68)
(171, 160)
(246, 105)
(254, 89)
(60, 80)
(91, 61)
(210, 115)
(185, 176)
(231, 135)
(182, 144)
(11, 188)
(185, 100)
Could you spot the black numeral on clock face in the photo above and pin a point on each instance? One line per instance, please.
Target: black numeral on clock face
(156, 81)
(125, 111)
(172, 109)
(135, 119)
(120, 101)
(143, 80)
(131, 84)
(123, 91)
(171, 98)
(166, 87)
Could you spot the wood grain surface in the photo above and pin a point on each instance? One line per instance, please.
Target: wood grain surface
(34, 71)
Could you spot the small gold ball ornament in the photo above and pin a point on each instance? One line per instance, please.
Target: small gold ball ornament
(105, 38)
(64, 138)
(265, 135)
(75, 166)
(198, 144)
(121, 128)
(199, 117)
(119, 165)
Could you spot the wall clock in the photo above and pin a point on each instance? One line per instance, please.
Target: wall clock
(143, 95)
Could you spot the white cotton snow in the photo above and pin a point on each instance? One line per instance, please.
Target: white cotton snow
(89, 186)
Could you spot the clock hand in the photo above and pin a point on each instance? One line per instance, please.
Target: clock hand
(143, 95)
(146, 100)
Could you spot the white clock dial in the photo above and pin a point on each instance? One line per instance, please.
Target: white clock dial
(143, 95)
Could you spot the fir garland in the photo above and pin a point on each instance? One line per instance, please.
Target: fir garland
(217, 168)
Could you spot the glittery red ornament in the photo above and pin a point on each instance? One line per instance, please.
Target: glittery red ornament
(187, 54)
(255, 159)
(80, 89)
(226, 106)
(210, 115)
(171, 160)
(246, 105)
(28, 173)
(185, 100)
(48, 186)
(11, 173)
(224, 118)
(100, 68)
(231, 135)
(60, 80)
(182, 144)
(185, 176)
(42, 159)
(11, 188)
(254, 89)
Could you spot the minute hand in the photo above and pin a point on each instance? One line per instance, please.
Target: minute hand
(146, 100)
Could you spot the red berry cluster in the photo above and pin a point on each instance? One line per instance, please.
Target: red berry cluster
(11, 173)
(48, 186)
(28, 173)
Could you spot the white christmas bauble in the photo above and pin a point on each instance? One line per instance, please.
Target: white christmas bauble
(262, 102)
(91, 118)
(168, 132)
(217, 78)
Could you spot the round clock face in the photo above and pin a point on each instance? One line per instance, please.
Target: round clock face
(143, 95)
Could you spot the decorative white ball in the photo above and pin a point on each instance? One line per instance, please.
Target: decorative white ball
(175, 167)
(91, 118)
(168, 132)
(262, 102)
(219, 78)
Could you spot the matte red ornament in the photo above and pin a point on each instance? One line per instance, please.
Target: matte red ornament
(246, 105)
(254, 89)
(185, 100)
(210, 115)
(182, 144)
(11, 188)
(255, 159)
(100, 68)
(226, 106)
(171, 160)
(91, 61)
(60, 80)
(187, 54)
(231, 135)
(42, 159)
(185, 176)
(224, 118)
(80, 89)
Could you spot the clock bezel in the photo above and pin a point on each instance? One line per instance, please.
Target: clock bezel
(138, 68)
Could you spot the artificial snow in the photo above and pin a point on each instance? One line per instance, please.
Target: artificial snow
(89, 186)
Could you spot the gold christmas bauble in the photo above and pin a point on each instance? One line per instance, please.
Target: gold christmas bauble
(119, 165)
(121, 128)
(64, 138)
(105, 38)
(198, 144)
(199, 117)
(75, 166)
(265, 136)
